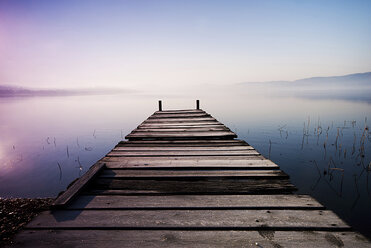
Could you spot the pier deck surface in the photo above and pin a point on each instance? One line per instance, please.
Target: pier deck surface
(183, 180)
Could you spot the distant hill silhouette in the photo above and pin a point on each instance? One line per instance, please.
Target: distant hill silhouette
(8, 91)
(355, 87)
(357, 79)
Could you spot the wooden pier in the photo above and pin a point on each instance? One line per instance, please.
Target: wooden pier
(183, 180)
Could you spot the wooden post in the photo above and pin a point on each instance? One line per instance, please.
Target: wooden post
(197, 104)
(159, 105)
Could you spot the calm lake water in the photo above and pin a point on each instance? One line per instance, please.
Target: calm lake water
(46, 142)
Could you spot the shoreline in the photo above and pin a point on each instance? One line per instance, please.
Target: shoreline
(16, 213)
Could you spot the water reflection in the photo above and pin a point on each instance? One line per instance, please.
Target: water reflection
(324, 145)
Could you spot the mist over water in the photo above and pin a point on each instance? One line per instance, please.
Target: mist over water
(47, 142)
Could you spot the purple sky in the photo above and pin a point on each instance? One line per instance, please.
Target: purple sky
(172, 44)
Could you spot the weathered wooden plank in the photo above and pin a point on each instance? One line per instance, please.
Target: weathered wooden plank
(119, 162)
(181, 153)
(176, 111)
(123, 166)
(111, 192)
(179, 145)
(166, 238)
(191, 143)
(182, 122)
(182, 148)
(182, 115)
(191, 174)
(207, 160)
(195, 155)
(190, 123)
(182, 142)
(187, 146)
(157, 126)
(175, 162)
(196, 202)
(175, 134)
(212, 186)
(180, 129)
(179, 113)
(179, 120)
(191, 219)
(78, 185)
(182, 135)
(182, 111)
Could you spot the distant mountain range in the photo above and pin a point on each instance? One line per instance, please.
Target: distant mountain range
(355, 87)
(9, 91)
(357, 79)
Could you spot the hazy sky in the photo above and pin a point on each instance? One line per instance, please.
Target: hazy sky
(169, 44)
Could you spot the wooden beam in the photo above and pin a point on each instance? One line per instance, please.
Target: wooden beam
(118, 153)
(189, 238)
(219, 187)
(195, 174)
(315, 220)
(78, 186)
(196, 202)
